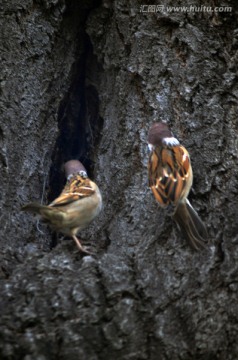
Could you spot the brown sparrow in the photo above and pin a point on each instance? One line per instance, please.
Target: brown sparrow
(77, 205)
(170, 179)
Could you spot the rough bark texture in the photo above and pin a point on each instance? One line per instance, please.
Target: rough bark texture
(83, 79)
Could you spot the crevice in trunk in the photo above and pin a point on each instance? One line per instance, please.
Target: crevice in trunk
(79, 121)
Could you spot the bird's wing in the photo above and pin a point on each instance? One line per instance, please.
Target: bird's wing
(76, 188)
(168, 173)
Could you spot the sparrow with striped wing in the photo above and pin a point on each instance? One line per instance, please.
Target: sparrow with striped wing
(170, 179)
(77, 205)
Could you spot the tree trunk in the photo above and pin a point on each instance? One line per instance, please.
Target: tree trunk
(85, 80)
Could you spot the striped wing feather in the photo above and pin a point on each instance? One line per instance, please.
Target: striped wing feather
(76, 188)
(168, 173)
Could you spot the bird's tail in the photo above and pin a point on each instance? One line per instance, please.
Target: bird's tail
(52, 215)
(34, 208)
(191, 225)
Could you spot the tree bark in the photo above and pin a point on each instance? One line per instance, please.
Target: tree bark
(85, 80)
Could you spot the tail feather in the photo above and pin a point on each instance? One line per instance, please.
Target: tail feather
(48, 213)
(191, 225)
(33, 208)
(202, 230)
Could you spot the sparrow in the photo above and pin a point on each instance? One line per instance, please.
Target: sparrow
(77, 205)
(170, 179)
